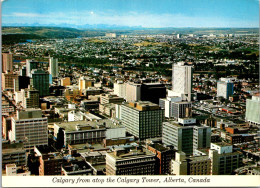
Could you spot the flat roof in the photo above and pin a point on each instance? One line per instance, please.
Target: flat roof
(87, 148)
(13, 150)
(71, 126)
(222, 144)
(175, 123)
(159, 147)
(132, 154)
(198, 158)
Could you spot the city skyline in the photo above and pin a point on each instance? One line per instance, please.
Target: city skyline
(143, 14)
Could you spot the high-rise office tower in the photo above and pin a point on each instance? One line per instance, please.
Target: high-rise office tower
(65, 81)
(175, 107)
(178, 136)
(201, 137)
(181, 109)
(133, 92)
(53, 67)
(253, 110)
(193, 165)
(21, 83)
(85, 82)
(40, 81)
(23, 71)
(29, 98)
(7, 62)
(225, 88)
(185, 135)
(30, 127)
(182, 80)
(30, 65)
(120, 89)
(8, 80)
(142, 119)
(153, 92)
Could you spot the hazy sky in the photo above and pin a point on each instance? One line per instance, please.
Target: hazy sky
(145, 13)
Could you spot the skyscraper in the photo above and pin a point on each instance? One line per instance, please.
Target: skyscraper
(157, 90)
(40, 81)
(182, 80)
(133, 92)
(30, 65)
(120, 89)
(142, 119)
(253, 110)
(53, 67)
(29, 98)
(178, 136)
(225, 88)
(65, 81)
(8, 80)
(85, 82)
(185, 135)
(7, 62)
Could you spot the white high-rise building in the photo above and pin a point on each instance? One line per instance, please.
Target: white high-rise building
(120, 89)
(133, 92)
(53, 67)
(167, 105)
(225, 88)
(182, 80)
(85, 82)
(253, 110)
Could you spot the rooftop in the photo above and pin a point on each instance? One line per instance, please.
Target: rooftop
(198, 158)
(222, 144)
(87, 125)
(131, 154)
(159, 147)
(86, 148)
(176, 124)
(143, 105)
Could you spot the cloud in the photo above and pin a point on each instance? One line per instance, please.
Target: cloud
(132, 18)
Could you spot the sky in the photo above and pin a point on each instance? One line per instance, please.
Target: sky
(141, 13)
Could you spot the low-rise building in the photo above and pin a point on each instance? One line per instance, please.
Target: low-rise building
(195, 165)
(13, 153)
(12, 170)
(77, 132)
(224, 160)
(50, 161)
(76, 168)
(164, 156)
(135, 162)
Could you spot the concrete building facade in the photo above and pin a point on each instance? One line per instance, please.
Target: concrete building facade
(40, 81)
(133, 92)
(182, 80)
(7, 62)
(178, 136)
(65, 81)
(225, 88)
(29, 127)
(53, 67)
(8, 80)
(130, 163)
(253, 110)
(142, 119)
